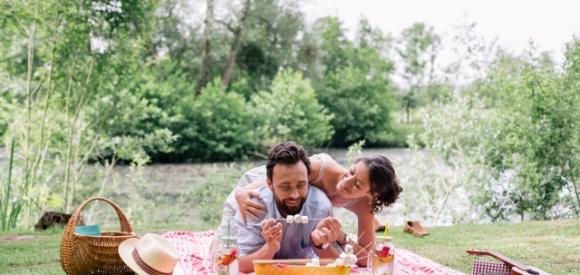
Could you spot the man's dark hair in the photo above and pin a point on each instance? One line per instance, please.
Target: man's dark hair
(384, 182)
(287, 153)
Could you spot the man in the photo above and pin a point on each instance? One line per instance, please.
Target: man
(288, 193)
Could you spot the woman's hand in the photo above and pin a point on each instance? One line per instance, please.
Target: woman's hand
(326, 231)
(249, 206)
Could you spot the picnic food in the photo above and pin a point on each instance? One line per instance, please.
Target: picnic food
(300, 267)
(383, 256)
(296, 219)
(346, 258)
(225, 259)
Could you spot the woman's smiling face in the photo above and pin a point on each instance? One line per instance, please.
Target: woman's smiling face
(355, 182)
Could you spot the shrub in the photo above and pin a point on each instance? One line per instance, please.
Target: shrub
(290, 111)
(216, 126)
(360, 105)
(521, 131)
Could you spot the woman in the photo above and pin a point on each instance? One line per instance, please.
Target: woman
(364, 189)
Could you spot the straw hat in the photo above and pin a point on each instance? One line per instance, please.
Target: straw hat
(150, 254)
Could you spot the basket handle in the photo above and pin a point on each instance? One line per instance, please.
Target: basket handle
(125, 225)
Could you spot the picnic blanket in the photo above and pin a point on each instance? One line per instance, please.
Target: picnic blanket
(193, 250)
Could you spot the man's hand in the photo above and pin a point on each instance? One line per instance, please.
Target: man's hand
(326, 231)
(247, 205)
(272, 234)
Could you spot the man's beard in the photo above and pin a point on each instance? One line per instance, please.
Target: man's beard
(286, 210)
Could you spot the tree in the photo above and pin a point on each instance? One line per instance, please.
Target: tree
(358, 91)
(205, 53)
(237, 31)
(418, 49)
(332, 42)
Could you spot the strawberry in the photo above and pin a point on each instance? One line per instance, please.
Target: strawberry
(234, 253)
(384, 252)
(225, 260)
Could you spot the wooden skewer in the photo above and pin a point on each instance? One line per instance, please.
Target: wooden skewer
(364, 249)
(361, 235)
(362, 258)
(292, 261)
(298, 222)
(284, 220)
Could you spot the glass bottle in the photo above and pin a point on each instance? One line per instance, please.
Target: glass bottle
(382, 261)
(225, 259)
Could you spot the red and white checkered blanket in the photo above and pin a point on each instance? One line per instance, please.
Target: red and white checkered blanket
(194, 247)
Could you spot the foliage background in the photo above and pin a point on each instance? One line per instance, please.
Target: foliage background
(94, 84)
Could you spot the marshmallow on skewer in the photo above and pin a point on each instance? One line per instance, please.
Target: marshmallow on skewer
(343, 256)
(298, 219)
(316, 261)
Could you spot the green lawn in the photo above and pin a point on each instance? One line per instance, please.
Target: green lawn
(553, 246)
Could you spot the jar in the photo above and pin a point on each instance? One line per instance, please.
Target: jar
(225, 259)
(382, 261)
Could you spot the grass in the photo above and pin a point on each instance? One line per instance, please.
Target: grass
(553, 246)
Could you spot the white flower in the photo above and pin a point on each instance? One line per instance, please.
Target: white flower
(99, 44)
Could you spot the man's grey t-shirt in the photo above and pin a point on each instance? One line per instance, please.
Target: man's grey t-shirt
(295, 237)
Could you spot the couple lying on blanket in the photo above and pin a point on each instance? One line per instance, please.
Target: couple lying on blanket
(292, 184)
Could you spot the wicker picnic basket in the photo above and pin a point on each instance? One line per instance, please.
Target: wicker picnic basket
(83, 254)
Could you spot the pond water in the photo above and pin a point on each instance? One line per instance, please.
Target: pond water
(170, 180)
(161, 190)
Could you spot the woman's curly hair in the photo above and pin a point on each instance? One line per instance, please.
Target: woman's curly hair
(384, 182)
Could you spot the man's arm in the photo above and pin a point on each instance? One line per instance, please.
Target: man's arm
(271, 233)
(246, 263)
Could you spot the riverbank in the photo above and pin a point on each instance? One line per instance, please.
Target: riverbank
(553, 246)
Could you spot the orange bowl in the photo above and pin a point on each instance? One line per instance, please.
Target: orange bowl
(297, 267)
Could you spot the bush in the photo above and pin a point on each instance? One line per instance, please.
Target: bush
(538, 138)
(361, 106)
(520, 132)
(397, 136)
(290, 111)
(216, 126)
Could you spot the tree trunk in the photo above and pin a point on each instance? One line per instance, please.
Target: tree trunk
(576, 192)
(236, 43)
(430, 81)
(203, 74)
(407, 111)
